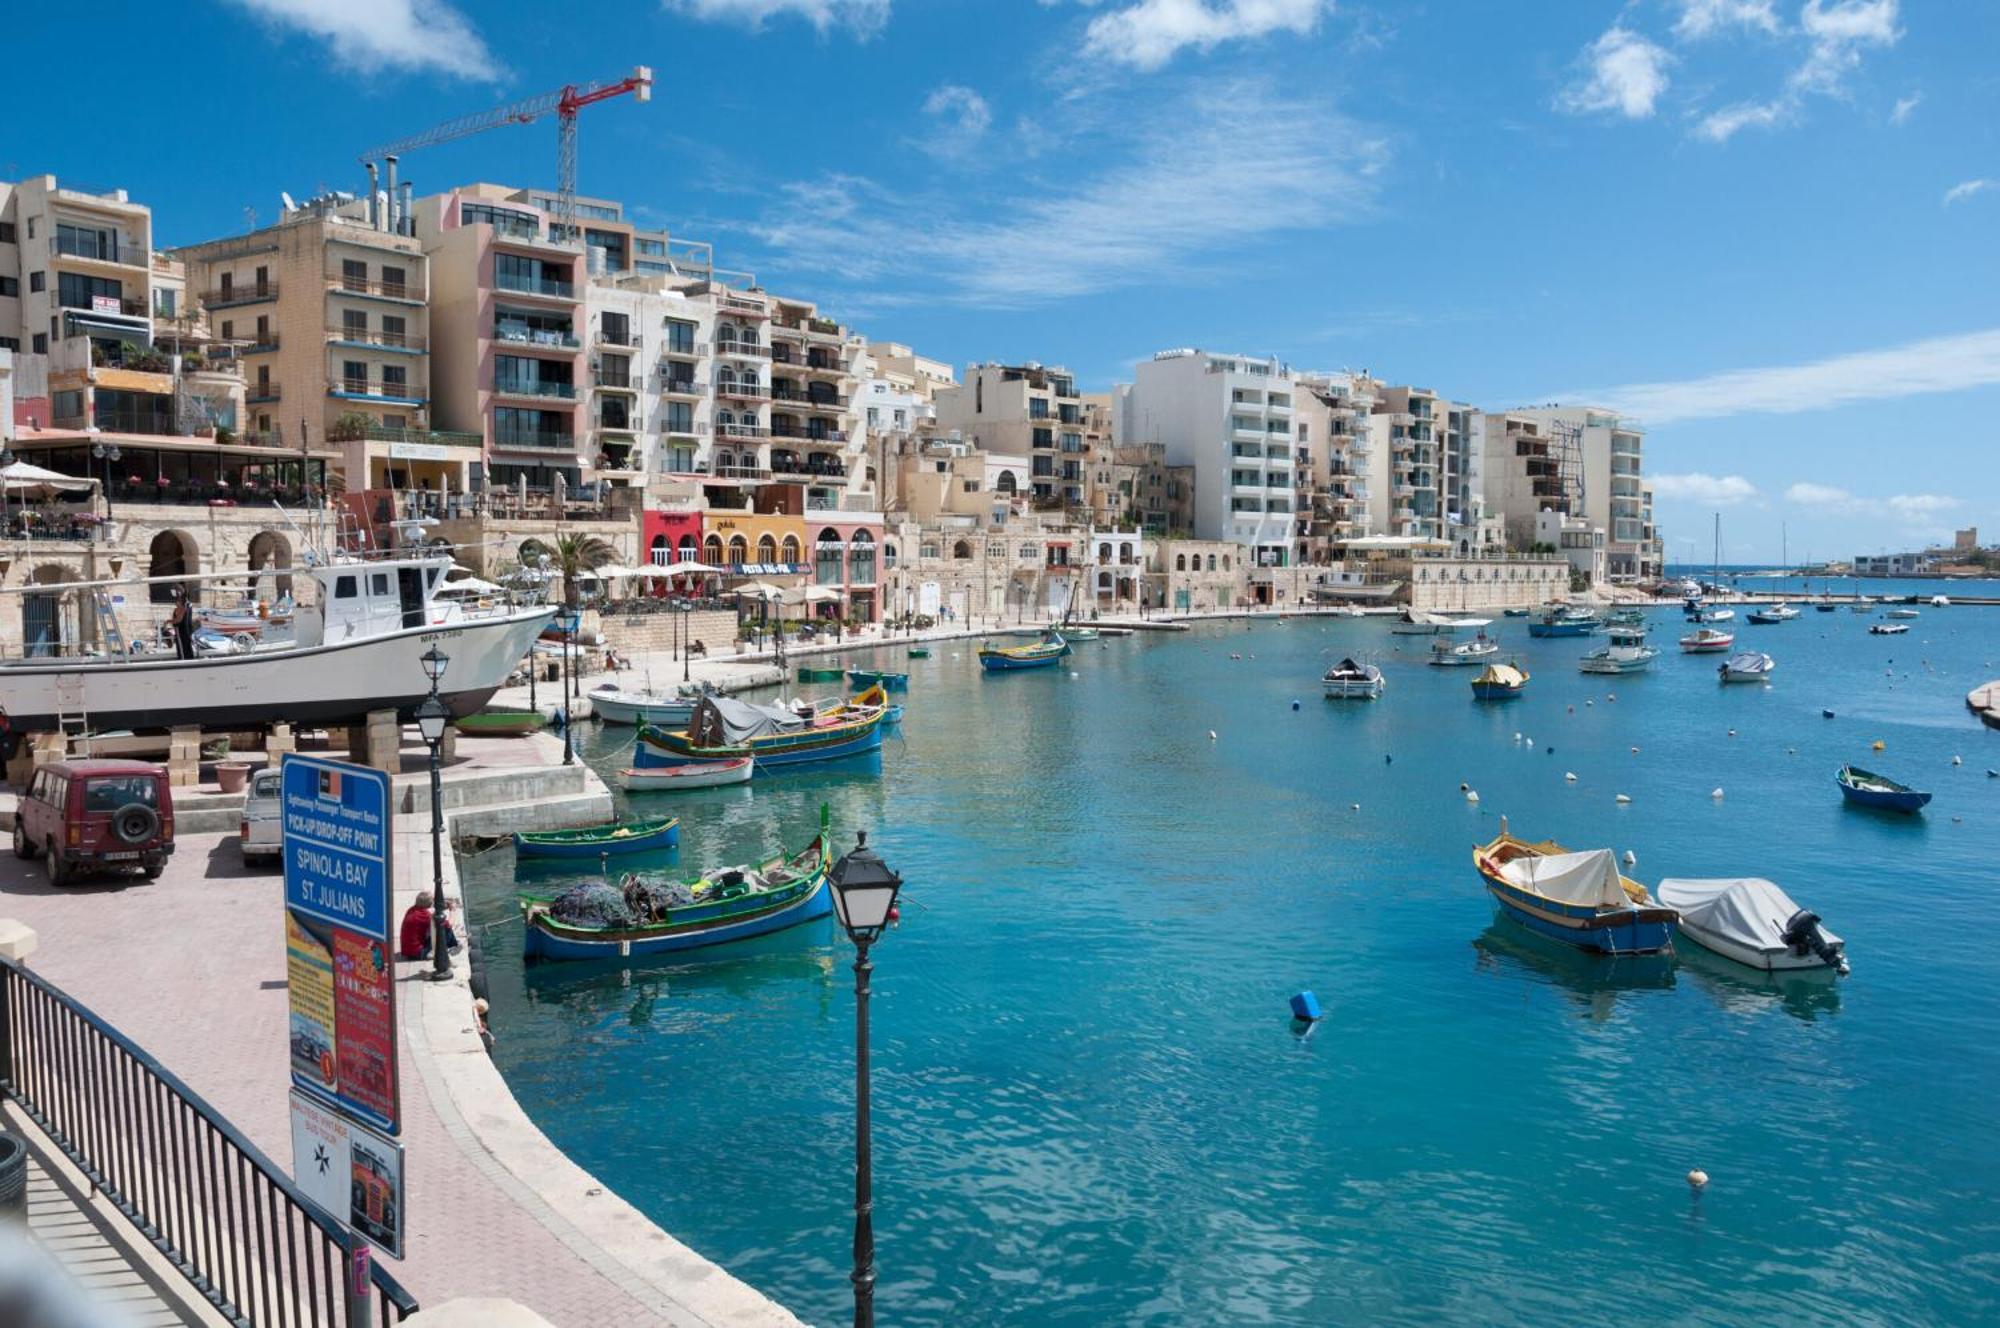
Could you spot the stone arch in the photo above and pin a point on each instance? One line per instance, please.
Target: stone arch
(1180, 562)
(690, 550)
(173, 553)
(657, 552)
(962, 550)
(271, 548)
(712, 551)
(767, 549)
(1005, 484)
(792, 554)
(739, 550)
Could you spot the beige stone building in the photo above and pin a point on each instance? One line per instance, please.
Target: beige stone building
(1195, 575)
(1024, 410)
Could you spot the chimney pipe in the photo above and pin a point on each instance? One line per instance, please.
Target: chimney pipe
(390, 162)
(374, 202)
(409, 220)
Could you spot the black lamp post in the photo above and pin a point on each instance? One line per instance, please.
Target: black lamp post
(569, 621)
(106, 454)
(687, 671)
(864, 899)
(431, 720)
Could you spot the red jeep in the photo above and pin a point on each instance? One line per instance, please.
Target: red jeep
(96, 815)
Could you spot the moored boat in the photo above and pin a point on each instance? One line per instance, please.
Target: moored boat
(688, 775)
(639, 917)
(817, 673)
(501, 723)
(1753, 922)
(1707, 641)
(919, 652)
(890, 682)
(1626, 651)
(1903, 613)
(1771, 614)
(600, 840)
(1862, 604)
(1350, 680)
(1865, 788)
(1887, 629)
(1075, 634)
(1563, 620)
(1580, 899)
(1446, 651)
(1747, 666)
(724, 727)
(643, 705)
(1043, 653)
(1499, 682)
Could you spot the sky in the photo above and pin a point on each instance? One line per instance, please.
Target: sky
(1770, 229)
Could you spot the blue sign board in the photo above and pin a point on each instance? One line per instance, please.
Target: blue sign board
(339, 954)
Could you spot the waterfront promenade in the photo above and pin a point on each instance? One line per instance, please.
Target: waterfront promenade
(192, 968)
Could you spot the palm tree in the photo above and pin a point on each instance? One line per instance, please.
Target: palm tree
(569, 555)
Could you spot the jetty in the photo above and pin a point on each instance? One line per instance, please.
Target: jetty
(1984, 701)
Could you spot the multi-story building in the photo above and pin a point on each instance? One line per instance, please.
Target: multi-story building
(1612, 486)
(1332, 453)
(1230, 417)
(1406, 474)
(1024, 410)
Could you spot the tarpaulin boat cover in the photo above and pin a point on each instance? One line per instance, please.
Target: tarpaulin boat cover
(1748, 910)
(1571, 878)
(722, 721)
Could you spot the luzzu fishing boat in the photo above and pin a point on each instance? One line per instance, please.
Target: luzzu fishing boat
(640, 917)
(1040, 655)
(724, 728)
(597, 841)
(1865, 788)
(1580, 899)
(1499, 682)
(1563, 620)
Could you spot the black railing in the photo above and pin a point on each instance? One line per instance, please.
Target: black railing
(223, 1214)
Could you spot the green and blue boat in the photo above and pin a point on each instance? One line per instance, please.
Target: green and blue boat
(1041, 655)
(596, 841)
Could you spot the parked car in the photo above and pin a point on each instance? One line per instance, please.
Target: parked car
(87, 816)
(262, 831)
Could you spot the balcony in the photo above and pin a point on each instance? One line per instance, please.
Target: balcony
(834, 404)
(377, 389)
(626, 338)
(789, 331)
(382, 433)
(534, 387)
(229, 297)
(684, 350)
(259, 343)
(121, 252)
(748, 350)
(736, 306)
(753, 473)
(546, 287)
(362, 336)
(741, 431)
(821, 365)
(613, 382)
(400, 291)
(742, 391)
(681, 387)
(552, 439)
(260, 390)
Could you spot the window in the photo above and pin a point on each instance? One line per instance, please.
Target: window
(6, 232)
(163, 303)
(354, 324)
(10, 285)
(354, 374)
(395, 330)
(395, 380)
(680, 336)
(346, 587)
(353, 275)
(680, 417)
(10, 343)
(38, 281)
(41, 343)
(392, 281)
(229, 329)
(378, 583)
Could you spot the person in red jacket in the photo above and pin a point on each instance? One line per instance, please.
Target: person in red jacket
(415, 941)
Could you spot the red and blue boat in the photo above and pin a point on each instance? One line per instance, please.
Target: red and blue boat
(1580, 899)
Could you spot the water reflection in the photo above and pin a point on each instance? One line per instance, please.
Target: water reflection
(1594, 982)
(1805, 994)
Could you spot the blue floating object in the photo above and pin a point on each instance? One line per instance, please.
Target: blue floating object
(1826, 714)
(1295, 705)
(1305, 1006)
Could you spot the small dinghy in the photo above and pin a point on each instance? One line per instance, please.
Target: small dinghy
(888, 682)
(1351, 681)
(819, 673)
(693, 775)
(1887, 629)
(1865, 788)
(1749, 666)
(1753, 922)
(600, 840)
(1707, 641)
(1904, 613)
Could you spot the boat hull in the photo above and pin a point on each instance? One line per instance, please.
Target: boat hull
(551, 941)
(656, 748)
(1627, 931)
(625, 710)
(305, 685)
(530, 846)
(687, 775)
(502, 724)
(1582, 628)
(994, 661)
(1354, 691)
(1909, 803)
(889, 682)
(808, 673)
(1779, 960)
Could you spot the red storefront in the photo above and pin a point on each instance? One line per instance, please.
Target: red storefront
(666, 538)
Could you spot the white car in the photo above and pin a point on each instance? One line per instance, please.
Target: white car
(261, 834)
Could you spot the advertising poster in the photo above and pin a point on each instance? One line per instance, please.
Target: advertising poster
(309, 980)
(364, 1022)
(352, 1172)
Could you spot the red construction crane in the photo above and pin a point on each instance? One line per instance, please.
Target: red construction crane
(565, 103)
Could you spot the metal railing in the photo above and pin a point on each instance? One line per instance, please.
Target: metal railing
(392, 290)
(222, 1213)
(223, 297)
(362, 336)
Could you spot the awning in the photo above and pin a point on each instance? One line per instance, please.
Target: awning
(24, 478)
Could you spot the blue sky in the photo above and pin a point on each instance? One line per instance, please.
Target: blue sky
(1767, 227)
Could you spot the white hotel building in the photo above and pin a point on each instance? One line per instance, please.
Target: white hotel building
(1231, 417)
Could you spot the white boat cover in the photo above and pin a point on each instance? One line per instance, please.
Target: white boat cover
(1750, 661)
(1589, 878)
(1748, 910)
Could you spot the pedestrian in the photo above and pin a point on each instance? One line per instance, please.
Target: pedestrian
(182, 623)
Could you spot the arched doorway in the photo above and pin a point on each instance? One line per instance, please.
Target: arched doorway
(173, 553)
(270, 548)
(658, 553)
(49, 618)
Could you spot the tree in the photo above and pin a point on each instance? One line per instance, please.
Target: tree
(569, 555)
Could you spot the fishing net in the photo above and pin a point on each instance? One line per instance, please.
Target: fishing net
(653, 898)
(592, 904)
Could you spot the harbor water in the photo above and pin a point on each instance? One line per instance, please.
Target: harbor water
(1091, 1103)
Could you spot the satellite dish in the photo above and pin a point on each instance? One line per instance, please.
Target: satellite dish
(286, 199)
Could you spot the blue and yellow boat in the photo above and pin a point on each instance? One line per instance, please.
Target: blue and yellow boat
(1580, 899)
(724, 728)
(1040, 655)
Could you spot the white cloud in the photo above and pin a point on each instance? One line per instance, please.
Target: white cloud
(1719, 126)
(1904, 107)
(376, 35)
(1940, 364)
(1149, 33)
(863, 18)
(1709, 490)
(1705, 18)
(1183, 194)
(1965, 189)
(1907, 506)
(1622, 72)
(964, 113)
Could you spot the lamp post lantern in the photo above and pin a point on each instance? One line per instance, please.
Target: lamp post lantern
(864, 899)
(107, 454)
(431, 720)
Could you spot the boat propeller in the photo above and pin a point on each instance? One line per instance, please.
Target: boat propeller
(1802, 933)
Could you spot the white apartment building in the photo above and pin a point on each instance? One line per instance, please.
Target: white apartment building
(1613, 488)
(1231, 417)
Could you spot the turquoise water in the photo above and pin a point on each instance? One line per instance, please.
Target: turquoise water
(1091, 1104)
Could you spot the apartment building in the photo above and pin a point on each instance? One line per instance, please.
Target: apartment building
(1531, 466)
(1030, 411)
(1230, 418)
(1612, 488)
(1333, 450)
(1407, 434)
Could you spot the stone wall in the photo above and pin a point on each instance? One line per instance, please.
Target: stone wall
(655, 632)
(1448, 585)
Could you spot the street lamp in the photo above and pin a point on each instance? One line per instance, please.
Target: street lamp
(864, 899)
(431, 720)
(569, 620)
(106, 454)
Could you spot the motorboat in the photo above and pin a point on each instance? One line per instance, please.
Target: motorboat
(1715, 613)
(1749, 666)
(1865, 788)
(1862, 604)
(1772, 613)
(1940, 601)
(1903, 613)
(1707, 641)
(1448, 652)
(1887, 628)
(1625, 651)
(1353, 681)
(1499, 682)
(1580, 899)
(600, 841)
(691, 775)
(645, 705)
(1750, 920)
(1563, 620)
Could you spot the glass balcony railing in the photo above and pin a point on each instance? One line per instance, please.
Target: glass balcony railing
(512, 281)
(534, 387)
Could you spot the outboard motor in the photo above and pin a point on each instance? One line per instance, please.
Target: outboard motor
(1802, 933)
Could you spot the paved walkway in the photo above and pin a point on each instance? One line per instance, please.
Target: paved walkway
(192, 968)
